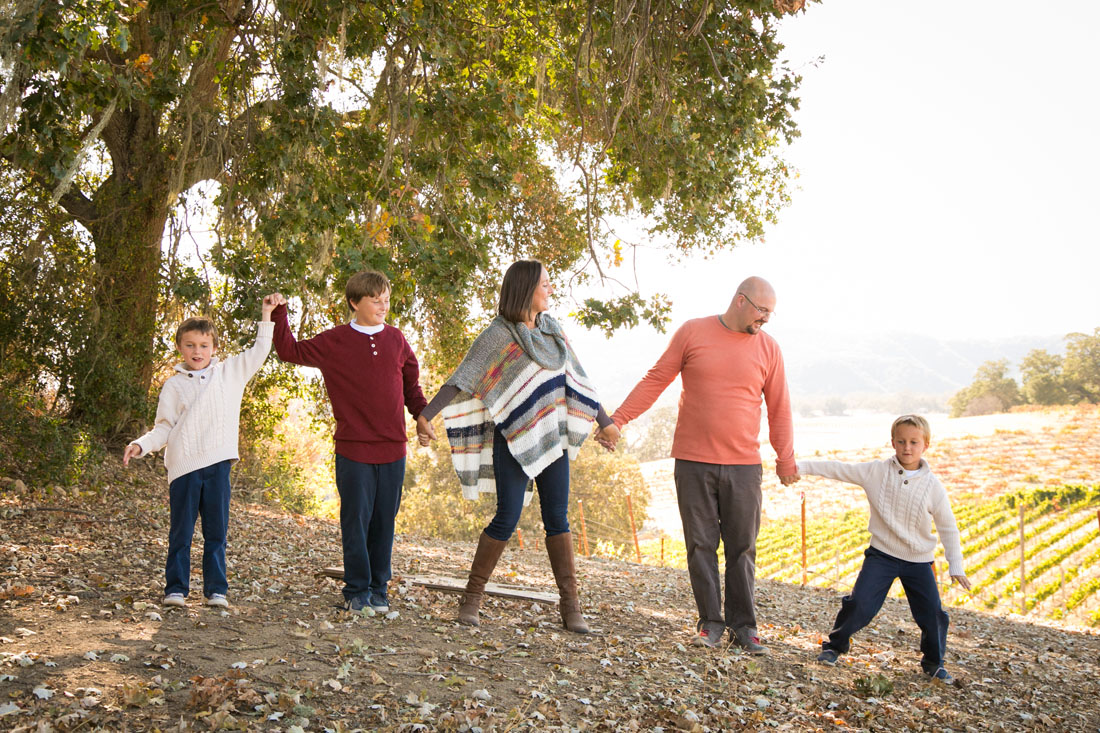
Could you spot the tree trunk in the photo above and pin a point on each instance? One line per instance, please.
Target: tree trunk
(111, 393)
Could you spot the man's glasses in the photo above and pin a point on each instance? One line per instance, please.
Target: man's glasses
(762, 311)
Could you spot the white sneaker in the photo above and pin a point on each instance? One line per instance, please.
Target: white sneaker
(174, 599)
(217, 599)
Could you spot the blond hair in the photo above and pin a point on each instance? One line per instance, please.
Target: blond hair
(916, 421)
(203, 325)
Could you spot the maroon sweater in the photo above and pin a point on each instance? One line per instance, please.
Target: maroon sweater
(368, 378)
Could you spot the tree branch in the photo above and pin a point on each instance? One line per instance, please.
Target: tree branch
(75, 203)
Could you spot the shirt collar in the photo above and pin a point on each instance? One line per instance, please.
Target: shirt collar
(369, 330)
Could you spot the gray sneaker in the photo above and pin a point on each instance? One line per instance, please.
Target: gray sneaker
(747, 639)
(708, 637)
(828, 656)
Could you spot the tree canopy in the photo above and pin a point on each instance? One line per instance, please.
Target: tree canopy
(431, 140)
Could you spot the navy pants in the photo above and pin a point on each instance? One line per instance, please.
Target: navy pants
(553, 485)
(873, 583)
(370, 495)
(201, 493)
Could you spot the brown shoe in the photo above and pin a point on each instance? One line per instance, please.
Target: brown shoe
(560, 549)
(485, 561)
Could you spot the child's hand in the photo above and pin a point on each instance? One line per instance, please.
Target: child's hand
(270, 303)
(132, 451)
(424, 431)
(608, 437)
(961, 580)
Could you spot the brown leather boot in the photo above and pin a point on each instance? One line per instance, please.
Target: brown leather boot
(485, 560)
(560, 549)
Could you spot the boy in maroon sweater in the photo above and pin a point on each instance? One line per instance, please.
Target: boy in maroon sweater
(370, 374)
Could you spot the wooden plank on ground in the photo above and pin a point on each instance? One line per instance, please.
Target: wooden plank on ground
(455, 585)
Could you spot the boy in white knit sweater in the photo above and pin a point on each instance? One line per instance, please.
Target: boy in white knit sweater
(906, 498)
(197, 418)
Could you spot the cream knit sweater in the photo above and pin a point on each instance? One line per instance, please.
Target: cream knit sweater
(198, 412)
(903, 508)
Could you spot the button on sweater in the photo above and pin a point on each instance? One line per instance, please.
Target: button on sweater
(198, 413)
(370, 379)
(903, 508)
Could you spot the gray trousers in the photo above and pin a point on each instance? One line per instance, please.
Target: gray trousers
(720, 502)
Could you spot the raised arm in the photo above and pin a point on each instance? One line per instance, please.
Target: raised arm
(287, 347)
(248, 362)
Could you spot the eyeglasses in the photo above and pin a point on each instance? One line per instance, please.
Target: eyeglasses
(762, 311)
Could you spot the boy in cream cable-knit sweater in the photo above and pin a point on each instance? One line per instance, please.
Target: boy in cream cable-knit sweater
(906, 498)
(197, 418)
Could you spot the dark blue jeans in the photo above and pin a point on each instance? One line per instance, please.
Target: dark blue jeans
(553, 485)
(205, 493)
(874, 581)
(370, 495)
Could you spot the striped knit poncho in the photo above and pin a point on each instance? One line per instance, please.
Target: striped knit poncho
(529, 383)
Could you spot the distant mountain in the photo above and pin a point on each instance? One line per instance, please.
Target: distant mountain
(820, 364)
(891, 363)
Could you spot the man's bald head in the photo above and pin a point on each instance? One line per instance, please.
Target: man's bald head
(752, 305)
(756, 287)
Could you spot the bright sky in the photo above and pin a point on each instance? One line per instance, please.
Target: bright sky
(948, 186)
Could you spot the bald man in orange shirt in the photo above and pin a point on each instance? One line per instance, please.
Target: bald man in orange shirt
(726, 363)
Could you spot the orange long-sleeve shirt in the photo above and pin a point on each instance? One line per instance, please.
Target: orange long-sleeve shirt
(724, 374)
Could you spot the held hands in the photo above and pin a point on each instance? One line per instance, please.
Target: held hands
(961, 580)
(424, 431)
(608, 437)
(132, 451)
(790, 478)
(270, 303)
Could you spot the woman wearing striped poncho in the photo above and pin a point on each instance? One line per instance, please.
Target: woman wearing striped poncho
(518, 408)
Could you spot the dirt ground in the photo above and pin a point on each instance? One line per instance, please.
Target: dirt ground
(85, 643)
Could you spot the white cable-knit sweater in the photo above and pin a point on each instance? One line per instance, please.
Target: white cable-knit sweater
(199, 412)
(903, 508)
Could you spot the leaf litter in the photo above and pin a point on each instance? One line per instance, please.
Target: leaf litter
(286, 656)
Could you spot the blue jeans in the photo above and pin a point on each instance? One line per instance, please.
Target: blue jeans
(370, 495)
(203, 492)
(553, 485)
(873, 583)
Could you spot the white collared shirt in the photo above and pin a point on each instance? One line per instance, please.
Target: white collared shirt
(369, 330)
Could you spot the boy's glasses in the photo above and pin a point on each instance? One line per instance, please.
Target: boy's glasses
(762, 311)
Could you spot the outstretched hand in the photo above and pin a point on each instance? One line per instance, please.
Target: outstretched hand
(961, 580)
(425, 433)
(608, 437)
(132, 451)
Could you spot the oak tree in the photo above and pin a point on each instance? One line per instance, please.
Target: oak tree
(430, 139)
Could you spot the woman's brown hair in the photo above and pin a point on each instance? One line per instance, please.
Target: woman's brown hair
(517, 288)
